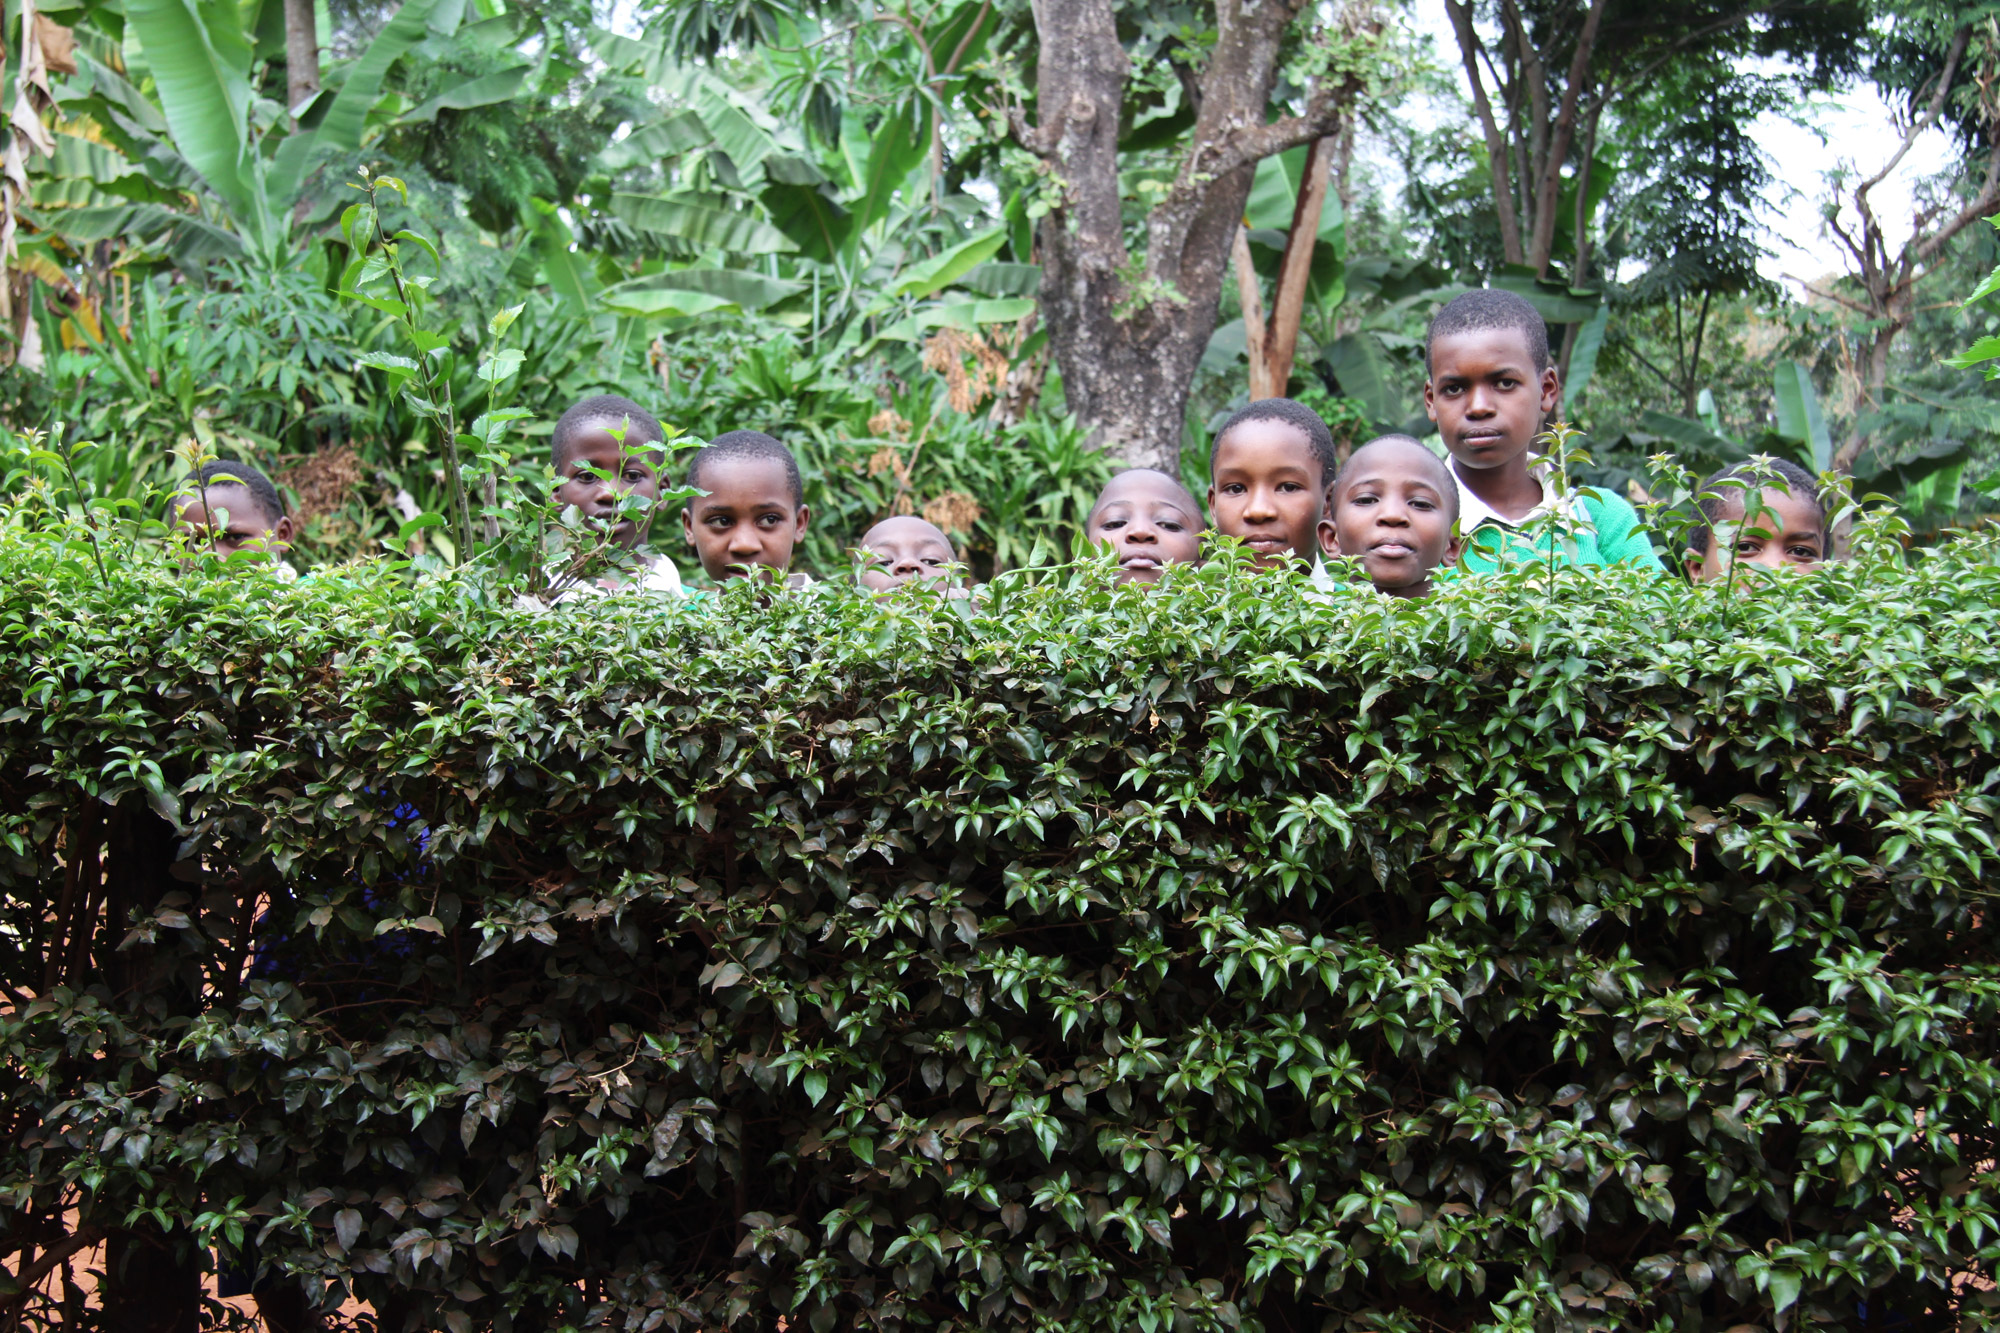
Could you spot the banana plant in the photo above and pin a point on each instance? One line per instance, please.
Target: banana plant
(206, 133)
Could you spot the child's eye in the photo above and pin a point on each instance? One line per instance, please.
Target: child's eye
(1112, 524)
(1232, 488)
(933, 562)
(1804, 553)
(1424, 505)
(1287, 487)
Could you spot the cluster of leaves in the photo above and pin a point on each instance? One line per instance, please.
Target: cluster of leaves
(1572, 950)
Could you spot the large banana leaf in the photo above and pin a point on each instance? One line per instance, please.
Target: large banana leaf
(1361, 365)
(484, 91)
(724, 286)
(942, 270)
(881, 164)
(200, 61)
(339, 130)
(682, 132)
(1799, 417)
(1583, 358)
(699, 226)
(810, 216)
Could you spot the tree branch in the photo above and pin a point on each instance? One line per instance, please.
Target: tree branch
(1930, 115)
(1550, 184)
(1469, 46)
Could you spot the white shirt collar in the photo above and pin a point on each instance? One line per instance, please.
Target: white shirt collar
(1473, 511)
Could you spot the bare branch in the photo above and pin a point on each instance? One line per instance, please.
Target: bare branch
(1835, 297)
(1930, 115)
(1471, 49)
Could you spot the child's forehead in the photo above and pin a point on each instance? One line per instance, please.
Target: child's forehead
(744, 481)
(233, 496)
(1275, 440)
(906, 531)
(1141, 490)
(1406, 463)
(1502, 345)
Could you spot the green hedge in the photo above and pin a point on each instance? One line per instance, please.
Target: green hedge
(1564, 952)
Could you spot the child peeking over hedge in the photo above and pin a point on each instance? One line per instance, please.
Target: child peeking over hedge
(1394, 505)
(1149, 520)
(904, 549)
(752, 511)
(1788, 533)
(1268, 475)
(601, 458)
(1490, 387)
(231, 508)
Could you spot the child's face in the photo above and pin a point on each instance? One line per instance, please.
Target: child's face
(1794, 543)
(748, 522)
(599, 497)
(231, 521)
(1391, 514)
(1487, 398)
(1266, 487)
(903, 550)
(1148, 523)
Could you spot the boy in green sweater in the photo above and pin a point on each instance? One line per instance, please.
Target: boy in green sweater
(1490, 387)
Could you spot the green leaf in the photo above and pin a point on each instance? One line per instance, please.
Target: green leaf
(1707, 446)
(1363, 369)
(662, 140)
(1583, 358)
(418, 524)
(1984, 349)
(339, 130)
(942, 270)
(503, 364)
(697, 291)
(900, 145)
(1799, 417)
(810, 217)
(700, 227)
(1556, 303)
(487, 90)
(200, 61)
(959, 315)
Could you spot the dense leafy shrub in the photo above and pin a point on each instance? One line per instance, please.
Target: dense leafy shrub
(1564, 952)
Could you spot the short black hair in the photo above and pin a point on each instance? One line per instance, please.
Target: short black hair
(1447, 483)
(1714, 500)
(222, 472)
(1486, 308)
(641, 426)
(1292, 413)
(748, 444)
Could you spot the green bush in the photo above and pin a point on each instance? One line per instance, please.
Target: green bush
(1563, 952)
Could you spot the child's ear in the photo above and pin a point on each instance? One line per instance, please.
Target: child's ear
(1452, 549)
(805, 516)
(687, 526)
(1692, 563)
(282, 532)
(1430, 403)
(1329, 538)
(1551, 389)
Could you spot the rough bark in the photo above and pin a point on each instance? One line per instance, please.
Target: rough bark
(1129, 332)
(1497, 156)
(301, 53)
(1275, 344)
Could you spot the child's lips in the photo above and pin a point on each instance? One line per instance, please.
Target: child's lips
(1139, 562)
(1391, 550)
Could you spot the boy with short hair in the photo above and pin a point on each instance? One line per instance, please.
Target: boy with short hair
(1788, 534)
(1149, 520)
(232, 507)
(753, 511)
(905, 549)
(1490, 386)
(1268, 476)
(601, 457)
(1394, 505)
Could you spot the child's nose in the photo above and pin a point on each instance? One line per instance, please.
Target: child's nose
(1139, 532)
(903, 568)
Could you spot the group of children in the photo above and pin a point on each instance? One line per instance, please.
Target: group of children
(1276, 483)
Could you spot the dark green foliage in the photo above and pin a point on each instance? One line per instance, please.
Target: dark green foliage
(1567, 953)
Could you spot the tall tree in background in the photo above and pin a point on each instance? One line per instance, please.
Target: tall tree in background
(1959, 85)
(301, 53)
(1128, 329)
(1542, 75)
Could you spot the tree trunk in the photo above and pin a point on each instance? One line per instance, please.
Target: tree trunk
(301, 53)
(1129, 335)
